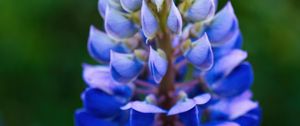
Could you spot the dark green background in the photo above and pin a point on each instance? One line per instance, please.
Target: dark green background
(43, 43)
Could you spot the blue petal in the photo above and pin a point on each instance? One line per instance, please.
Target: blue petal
(83, 118)
(182, 107)
(252, 118)
(140, 119)
(200, 53)
(191, 117)
(117, 25)
(174, 19)
(225, 65)
(235, 42)
(131, 5)
(238, 81)
(201, 10)
(149, 22)
(223, 26)
(102, 4)
(223, 123)
(233, 108)
(124, 91)
(99, 45)
(187, 104)
(157, 64)
(125, 67)
(102, 104)
(99, 77)
(141, 113)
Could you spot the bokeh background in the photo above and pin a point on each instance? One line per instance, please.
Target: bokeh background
(43, 43)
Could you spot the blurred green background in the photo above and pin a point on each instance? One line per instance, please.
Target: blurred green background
(43, 43)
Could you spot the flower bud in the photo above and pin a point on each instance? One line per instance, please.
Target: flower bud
(174, 19)
(117, 25)
(199, 53)
(131, 5)
(200, 10)
(148, 21)
(223, 26)
(99, 45)
(125, 67)
(158, 4)
(157, 64)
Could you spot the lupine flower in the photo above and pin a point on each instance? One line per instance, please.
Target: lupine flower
(147, 54)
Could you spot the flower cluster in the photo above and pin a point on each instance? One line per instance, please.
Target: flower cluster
(167, 63)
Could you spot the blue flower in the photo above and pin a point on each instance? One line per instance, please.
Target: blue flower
(223, 26)
(157, 64)
(200, 10)
(142, 113)
(199, 53)
(131, 5)
(148, 21)
(116, 21)
(174, 19)
(99, 45)
(125, 67)
(188, 109)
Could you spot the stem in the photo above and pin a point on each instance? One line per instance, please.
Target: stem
(166, 87)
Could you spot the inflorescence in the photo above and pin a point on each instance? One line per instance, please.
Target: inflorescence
(167, 63)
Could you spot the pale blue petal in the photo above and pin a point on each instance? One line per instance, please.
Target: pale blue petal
(235, 107)
(102, 4)
(223, 26)
(157, 65)
(148, 21)
(201, 10)
(182, 106)
(99, 45)
(202, 99)
(143, 107)
(125, 67)
(131, 5)
(200, 54)
(99, 77)
(174, 19)
(117, 25)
